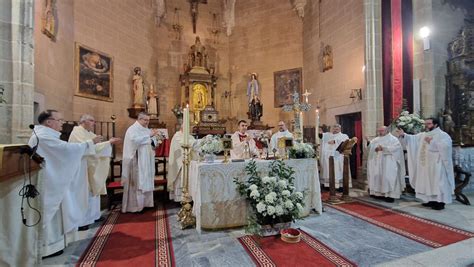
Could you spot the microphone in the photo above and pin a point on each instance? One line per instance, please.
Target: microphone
(33, 155)
(32, 126)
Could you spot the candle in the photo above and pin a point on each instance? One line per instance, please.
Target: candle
(301, 124)
(317, 127)
(186, 126)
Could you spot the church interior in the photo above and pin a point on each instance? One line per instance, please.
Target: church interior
(210, 83)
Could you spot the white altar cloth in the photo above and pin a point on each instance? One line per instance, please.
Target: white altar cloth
(218, 204)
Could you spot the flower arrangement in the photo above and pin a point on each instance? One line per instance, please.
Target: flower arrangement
(302, 151)
(273, 198)
(177, 111)
(2, 100)
(409, 123)
(264, 138)
(210, 144)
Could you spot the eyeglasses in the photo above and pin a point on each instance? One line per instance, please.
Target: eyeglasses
(53, 119)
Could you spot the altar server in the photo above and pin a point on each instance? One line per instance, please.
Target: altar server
(386, 166)
(60, 176)
(138, 165)
(243, 145)
(430, 164)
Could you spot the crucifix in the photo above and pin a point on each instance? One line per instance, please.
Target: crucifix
(298, 109)
(194, 11)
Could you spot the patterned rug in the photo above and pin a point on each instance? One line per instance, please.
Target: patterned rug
(272, 251)
(132, 240)
(422, 230)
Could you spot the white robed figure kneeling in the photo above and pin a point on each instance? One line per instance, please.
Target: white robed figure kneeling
(61, 175)
(329, 143)
(94, 168)
(430, 164)
(386, 166)
(138, 165)
(175, 169)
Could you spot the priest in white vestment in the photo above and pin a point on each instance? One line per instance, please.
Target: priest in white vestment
(243, 145)
(430, 164)
(95, 168)
(60, 177)
(329, 144)
(386, 166)
(282, 133)
(175, 172)
(138, 165)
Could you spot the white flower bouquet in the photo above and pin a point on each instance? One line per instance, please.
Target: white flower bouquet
(210, 144)
(302, 151)
(409, 123)
(273, 198)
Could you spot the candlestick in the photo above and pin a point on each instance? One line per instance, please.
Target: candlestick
(317, 127)
(186, 126)
(301, 124)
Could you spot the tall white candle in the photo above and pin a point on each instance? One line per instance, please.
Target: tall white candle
(317, 127)
(186, 126)
(301, 124)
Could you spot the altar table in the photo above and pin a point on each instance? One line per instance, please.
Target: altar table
(218, 204)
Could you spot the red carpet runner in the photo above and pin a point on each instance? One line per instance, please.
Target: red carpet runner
(271, 251)
(424, 231)
(132, 240)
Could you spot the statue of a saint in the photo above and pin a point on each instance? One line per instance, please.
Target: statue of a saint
(48, 20)
(152, 102)
(197, 56)
(255, 109)
(138, 88)
(448, 123)
(252, 87)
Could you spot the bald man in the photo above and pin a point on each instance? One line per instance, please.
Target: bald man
(386, 166)
(282, 132)
(329, 144)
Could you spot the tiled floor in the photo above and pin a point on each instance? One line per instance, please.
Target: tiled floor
(357, 240)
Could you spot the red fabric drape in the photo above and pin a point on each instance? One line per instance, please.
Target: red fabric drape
(163, 150)
(397, 58)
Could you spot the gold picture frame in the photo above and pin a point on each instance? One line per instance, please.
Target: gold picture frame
(93, 73)
(286, 82)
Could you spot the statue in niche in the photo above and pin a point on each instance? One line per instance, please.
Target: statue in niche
(327, 57)
(255, 106)
(152, 102)
(448, 123)
(48, 26)
(197, 56)
(138, 87)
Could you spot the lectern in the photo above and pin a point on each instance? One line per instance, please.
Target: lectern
(20, 244)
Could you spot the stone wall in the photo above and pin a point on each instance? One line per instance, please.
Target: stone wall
(127, 31)
(445, 19)
(340, 24)
(16, 70)
(267, 38)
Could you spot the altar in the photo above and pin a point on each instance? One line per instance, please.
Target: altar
(218, 204)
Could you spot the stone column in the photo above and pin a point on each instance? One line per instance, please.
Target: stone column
(372, 114)
(16, 70)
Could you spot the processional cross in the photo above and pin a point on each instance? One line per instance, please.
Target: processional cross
(194, 11)
(297, 108)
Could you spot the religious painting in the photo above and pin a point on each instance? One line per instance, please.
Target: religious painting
(286, 82)
(93, 74)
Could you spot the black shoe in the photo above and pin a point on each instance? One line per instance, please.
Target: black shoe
(102, 218)
(340, 190)
(389, 199)
(429, 204)
(54, 254)
(438, 206)
(83, 228)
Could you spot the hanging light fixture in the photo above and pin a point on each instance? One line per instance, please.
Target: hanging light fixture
(177, 27)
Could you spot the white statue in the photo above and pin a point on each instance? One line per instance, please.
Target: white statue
(138, 88)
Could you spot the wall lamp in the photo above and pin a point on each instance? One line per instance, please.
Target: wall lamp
(425, 34)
